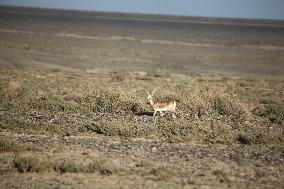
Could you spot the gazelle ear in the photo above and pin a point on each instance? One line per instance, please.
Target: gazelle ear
(148, 93)
(153, 92)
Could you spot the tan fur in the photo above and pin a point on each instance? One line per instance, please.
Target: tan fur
(161, 106)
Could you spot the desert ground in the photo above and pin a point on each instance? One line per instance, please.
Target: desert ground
(74, 110)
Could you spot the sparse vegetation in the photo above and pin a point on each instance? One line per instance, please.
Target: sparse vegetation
(9, 145)
(28, 164)
(163, 173)
(208, 111)
(34, 164)
(74, 111)
(63, 108)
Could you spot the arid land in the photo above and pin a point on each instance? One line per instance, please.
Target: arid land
(74, 113)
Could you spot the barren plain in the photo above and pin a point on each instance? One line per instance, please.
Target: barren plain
(74, 113)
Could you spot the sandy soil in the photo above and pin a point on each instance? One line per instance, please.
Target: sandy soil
(53, 40)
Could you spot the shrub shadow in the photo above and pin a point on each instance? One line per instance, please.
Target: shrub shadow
(144, 114)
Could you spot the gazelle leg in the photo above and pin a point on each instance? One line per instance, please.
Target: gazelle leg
(155, 113)
(174, 114)
(161, 113)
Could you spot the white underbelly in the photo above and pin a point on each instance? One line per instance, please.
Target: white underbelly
(162, 109)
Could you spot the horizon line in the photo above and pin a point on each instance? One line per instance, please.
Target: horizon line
(141, 13)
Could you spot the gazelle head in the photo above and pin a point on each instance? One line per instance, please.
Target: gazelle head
(150, 97)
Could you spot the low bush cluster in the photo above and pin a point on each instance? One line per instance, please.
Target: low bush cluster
(33, 164)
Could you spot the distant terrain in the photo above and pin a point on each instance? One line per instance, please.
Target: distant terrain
(106, 42)
(74, 113)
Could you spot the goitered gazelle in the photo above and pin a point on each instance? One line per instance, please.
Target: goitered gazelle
(162, 106)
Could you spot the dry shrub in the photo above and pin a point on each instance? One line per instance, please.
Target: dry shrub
(28, 164)
(259, 135)
(103, 166)
(120, 128)
(111, 101)
(109, 167)
(163, 173)
(8, 145)
(106, 99)
(198, 106)
(33, 164)
(221, 175)
(118, 76)
(216, 98)
(174, 131)
(197, 131)
(29, 126)
(64, 166)
(226, 103)
(272, 110)
(217, 134)
(10, 92)
(24, 100)
(50, 103)
(228, 106)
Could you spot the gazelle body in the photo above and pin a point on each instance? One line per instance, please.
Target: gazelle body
(162, 106)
